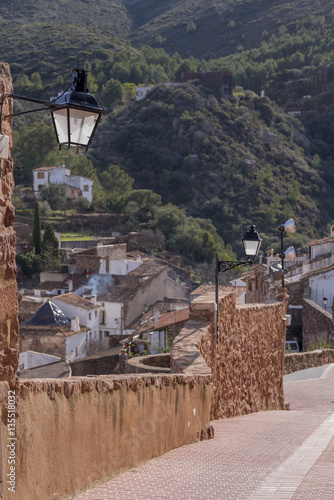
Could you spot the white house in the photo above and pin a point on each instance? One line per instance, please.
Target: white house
(320, 286)
(77, 185)
(83, 313)
(50, 331)
(131, 295)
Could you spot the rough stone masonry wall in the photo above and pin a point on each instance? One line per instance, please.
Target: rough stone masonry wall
(9, 354)
(249, 358)
(73, 433)
(303, 360)
(8, 286)
(317, 326)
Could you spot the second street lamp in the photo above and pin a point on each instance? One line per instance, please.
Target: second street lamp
(251, 243)
(324, 301)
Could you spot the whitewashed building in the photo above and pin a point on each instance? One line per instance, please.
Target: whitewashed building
(83, 313)
(76, 185)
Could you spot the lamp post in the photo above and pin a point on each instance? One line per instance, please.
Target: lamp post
(251, 243)
(290, 254)
(75, 113)
(324, 301)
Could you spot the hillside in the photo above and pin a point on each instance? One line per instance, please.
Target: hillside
(217, 27)
(48, 36)
(232, 162)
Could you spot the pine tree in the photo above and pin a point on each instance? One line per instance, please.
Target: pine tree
(36, 232)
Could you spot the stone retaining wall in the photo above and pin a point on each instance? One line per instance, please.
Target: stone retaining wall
(105, 365)
(155, 363)
(73, 433)
(8, 288)
(302, 360)
(247, 363)
(317, 326)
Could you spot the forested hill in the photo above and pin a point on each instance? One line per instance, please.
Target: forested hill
(46, 35)
(233, 162)
(216, 27)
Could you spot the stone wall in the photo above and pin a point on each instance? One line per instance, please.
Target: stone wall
(9, 352)
(154, 363)
(104, 365)
(247, 363)
(74, 433)
(317, 326)
(303, 360)
(56, 346)
(8, 288)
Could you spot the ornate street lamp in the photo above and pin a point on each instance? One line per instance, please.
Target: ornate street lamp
(75, 113)
(251, 243)
(290, 253)
(324, 301)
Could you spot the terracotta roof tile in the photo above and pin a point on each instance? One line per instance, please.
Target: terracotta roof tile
(26, 307)
(321, 241)
(52, 285)
(76, 300)
(49, 331)
(125, 287)
(172, 318)
(43, 168)
(146, 320)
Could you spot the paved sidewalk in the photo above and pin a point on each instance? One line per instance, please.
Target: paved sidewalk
(267, 455)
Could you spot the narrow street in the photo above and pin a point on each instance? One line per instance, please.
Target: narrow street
(267, 455)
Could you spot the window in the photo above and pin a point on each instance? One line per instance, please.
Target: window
(95, 314)
(40, 175)
(40, 186)
(102, 317)
(90, 316)
(86, 187)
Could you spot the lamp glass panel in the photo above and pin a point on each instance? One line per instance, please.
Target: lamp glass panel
(290, 253)
(290, 226)
(251, 247)
(60, 121)
(82, 124)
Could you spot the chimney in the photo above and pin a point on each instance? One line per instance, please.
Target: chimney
(93, 299)
(75, 327)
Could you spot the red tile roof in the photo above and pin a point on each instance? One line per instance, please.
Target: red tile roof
(43, 168)
(319, 242)
(49, 331)
(76, 300)
(172, 318)
(126, 287)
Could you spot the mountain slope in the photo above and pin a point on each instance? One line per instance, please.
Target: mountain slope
(217, 27)
(234, 162)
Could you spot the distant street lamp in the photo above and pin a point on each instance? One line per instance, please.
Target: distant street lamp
(251, 243)
(324, 301)
(75, 113)
(290, 253)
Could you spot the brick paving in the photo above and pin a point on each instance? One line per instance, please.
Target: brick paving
(267, 455)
